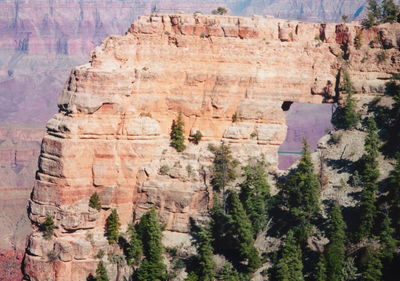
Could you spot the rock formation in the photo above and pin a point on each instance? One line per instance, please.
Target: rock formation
(111, 135)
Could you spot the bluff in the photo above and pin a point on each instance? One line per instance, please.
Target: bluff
(111, 135)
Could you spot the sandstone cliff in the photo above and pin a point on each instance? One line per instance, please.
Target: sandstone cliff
(111, 134)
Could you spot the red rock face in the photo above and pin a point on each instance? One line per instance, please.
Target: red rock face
(10, 263)
(111, 135)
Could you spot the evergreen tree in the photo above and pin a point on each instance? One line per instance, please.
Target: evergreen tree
(101, 272)
(386, 239)
(369, 164)
(389, 11)
(243, 234)
(320, 270)
(290, 266)
(374, 14)
(373, 270)
(134, 251)
(112, 227)
(367, 211)
(228, 273)
(350, 115)
(206, 265)
(303, 188)
(335, 250)
(254, 193)
(394, 180)
(152, 267)
(177, 134)
(392, 140)
(223, 169)
(94, 202)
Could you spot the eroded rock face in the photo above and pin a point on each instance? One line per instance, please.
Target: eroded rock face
(111, 135)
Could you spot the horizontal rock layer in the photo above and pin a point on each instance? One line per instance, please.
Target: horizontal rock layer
(231, 78)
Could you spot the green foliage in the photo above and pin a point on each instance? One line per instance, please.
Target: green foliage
(152, 267)
(196, 138)
(355, 179)
(335, 250)
(94, 202)
(220, 11)
(112, 227)
(290, 266)
(302, 187)
(52, 256)
(345, 18)
(205, 268)
(177, 134)
(47, 227)
(228, 273)
(243, 234)
(223, 169)
(319, 273)
(254, 193)
(392, 122)
(367, 211)
(368, 162)
(347, 117)
(357, 41)
(386, 239)
(381, 56)
(164, 170)
(394, 180)
(100, 254)
(134, 250)
(349, 271)
(101, 272)
(234, 117)
(389, 11)
(373, 270)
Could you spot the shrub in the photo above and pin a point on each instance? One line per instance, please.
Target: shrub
(196, 138)
(164, 170)
(336, 137)
(52, 256)
(357, 41)
(100, 254)
(381, 56)
(234, 117)
(220, 11)
(94, 202)
(253, 135)
(47, 227)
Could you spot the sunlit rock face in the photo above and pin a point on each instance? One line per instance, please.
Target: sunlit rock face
(111, 135)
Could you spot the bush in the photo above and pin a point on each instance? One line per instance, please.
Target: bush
(234, 117)
(52, 256)
(336, 137)
(381, 56)
(196, 138)
(112, 227)
(94, 202)
(48, 227)
(164, 170)
(220, 11)
(357, 41)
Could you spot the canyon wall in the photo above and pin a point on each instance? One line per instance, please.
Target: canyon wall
(111, 135)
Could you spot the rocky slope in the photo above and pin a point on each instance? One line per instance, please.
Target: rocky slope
(111, 134)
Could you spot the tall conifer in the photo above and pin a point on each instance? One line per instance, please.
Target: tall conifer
(112, 227)
(290, 265)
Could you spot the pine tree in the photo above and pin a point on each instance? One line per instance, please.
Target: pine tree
(290, 266)
(177, 134)
(112, 227)
(335, 250)
(303, 188)
(101, 272)
(374, 14)
(389, 11)
(94, 202)
(367, 211)
(254, 193)
(350, 117)
(206, 265)
(320, 270)
(243, 234)
(394, 180)
(369, 164)
(386, 239)
(223, 169)
(228, 273)
(373, 270)
(152, 267)
(134, 251)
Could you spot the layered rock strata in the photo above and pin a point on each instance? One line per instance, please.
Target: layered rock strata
(230, 77)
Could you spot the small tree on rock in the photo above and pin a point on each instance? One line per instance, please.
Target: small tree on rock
(177, 134)
(47, 227)
(94, 202)
(101, 272)
(220, 11)
(112, 227)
